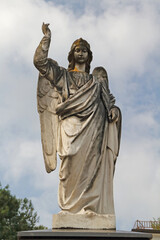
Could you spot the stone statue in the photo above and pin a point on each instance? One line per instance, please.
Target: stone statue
(80, 122)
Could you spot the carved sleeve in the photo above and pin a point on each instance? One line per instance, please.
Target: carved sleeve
(41, 54)
(107, 98)
(47, 67)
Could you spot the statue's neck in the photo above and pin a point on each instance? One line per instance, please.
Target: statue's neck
(79, 67)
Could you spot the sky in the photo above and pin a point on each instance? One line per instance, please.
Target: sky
(125, 39)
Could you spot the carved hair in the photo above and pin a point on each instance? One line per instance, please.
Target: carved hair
(71, 59)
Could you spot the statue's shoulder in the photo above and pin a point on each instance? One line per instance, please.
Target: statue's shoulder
(95, 79)
(55, 64)
(58, 70)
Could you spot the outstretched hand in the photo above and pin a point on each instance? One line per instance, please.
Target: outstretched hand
(45, 29)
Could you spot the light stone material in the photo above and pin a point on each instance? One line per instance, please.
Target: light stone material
(80, 122)
(84, 221)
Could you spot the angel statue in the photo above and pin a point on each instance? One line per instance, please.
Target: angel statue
(79, 122)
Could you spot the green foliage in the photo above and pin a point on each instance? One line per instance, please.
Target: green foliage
(15, 215)
(156, 224)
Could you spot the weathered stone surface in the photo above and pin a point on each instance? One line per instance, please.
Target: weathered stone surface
(84, 221)
(80, 122)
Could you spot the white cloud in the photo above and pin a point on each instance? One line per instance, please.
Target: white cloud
(136, 183)
(125, 39)
(46, 205)
(24, 159)
(137, 179)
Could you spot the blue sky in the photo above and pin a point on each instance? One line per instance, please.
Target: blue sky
(125, 39)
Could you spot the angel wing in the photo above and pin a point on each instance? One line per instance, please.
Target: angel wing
(47, 98)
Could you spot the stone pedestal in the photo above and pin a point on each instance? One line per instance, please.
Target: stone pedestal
(71, 234)
(89, 220)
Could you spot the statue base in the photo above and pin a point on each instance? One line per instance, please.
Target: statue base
(73, 234)
(84, 221)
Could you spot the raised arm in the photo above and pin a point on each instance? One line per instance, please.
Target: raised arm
(40, 57)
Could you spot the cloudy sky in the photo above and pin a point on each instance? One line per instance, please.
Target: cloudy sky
(125, 39)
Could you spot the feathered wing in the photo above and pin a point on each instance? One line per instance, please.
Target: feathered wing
(47, 99)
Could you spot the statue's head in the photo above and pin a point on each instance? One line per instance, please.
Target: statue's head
(71, 59)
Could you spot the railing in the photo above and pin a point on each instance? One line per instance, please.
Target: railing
(146, 224)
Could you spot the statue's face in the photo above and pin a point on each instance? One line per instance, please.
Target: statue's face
(80, 54)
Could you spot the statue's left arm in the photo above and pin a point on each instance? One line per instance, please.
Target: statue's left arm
(114, 118)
